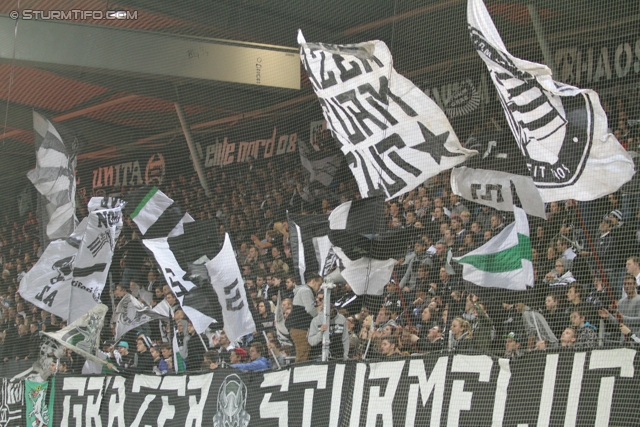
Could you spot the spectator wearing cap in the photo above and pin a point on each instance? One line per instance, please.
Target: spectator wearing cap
(237, 355)
(257, 361)
(512, 346)
(128, 358)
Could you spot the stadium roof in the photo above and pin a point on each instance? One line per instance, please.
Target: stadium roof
(119, 111)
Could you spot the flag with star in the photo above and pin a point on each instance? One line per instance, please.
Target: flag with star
(394, 137)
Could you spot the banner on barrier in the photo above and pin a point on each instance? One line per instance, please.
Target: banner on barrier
(566, 388)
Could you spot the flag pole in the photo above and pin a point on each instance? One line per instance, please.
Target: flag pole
(327, 286)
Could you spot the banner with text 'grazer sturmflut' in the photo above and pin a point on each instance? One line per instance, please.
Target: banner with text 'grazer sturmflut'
(543, 389)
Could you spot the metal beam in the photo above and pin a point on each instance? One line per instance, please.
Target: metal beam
(134, 53)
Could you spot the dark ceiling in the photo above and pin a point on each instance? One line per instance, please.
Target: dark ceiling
(428, 39)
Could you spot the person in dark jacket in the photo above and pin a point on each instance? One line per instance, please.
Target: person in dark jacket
(145, 361)
(462, 338)
(195, 349)
(34, 342)
(302, 312)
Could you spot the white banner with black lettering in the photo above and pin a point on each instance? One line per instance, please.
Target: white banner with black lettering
(393, 136)
(69, 277)
(226, 280)
(177, 279)
(493, 188)
(561, 130)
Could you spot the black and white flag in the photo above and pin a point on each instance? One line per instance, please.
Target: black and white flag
(54, 178)
(226, 280)
(70, 276)
(561, 130)
(304, 232)
(353, 244)
(181, 285)
(393, 136)
(131, 313)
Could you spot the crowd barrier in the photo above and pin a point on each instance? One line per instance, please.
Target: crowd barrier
(596, 388)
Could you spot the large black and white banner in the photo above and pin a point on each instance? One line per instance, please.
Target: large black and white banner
(393, 136)
(561, 130)
(226, 280)
(554, 389)
(69, 277)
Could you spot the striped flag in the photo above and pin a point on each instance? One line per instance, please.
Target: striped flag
(155, 214)
(54, 179)
(504, 261)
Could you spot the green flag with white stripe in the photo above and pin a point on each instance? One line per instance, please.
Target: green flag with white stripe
(505, 261)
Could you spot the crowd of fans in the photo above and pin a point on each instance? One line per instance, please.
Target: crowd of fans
(585, 258)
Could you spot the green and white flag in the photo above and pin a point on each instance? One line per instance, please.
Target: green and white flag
(150, 208)
(39, 402)
(505, 261)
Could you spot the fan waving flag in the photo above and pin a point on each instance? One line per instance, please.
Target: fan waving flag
(54, 178)
(561, 130)
(505, 261)
(393, 136)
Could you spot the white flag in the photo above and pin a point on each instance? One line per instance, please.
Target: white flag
(505, 260)
(366, 275)
(69, 277)
(493, 188)
(226, 280)
(393, 136)
(561, 130)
